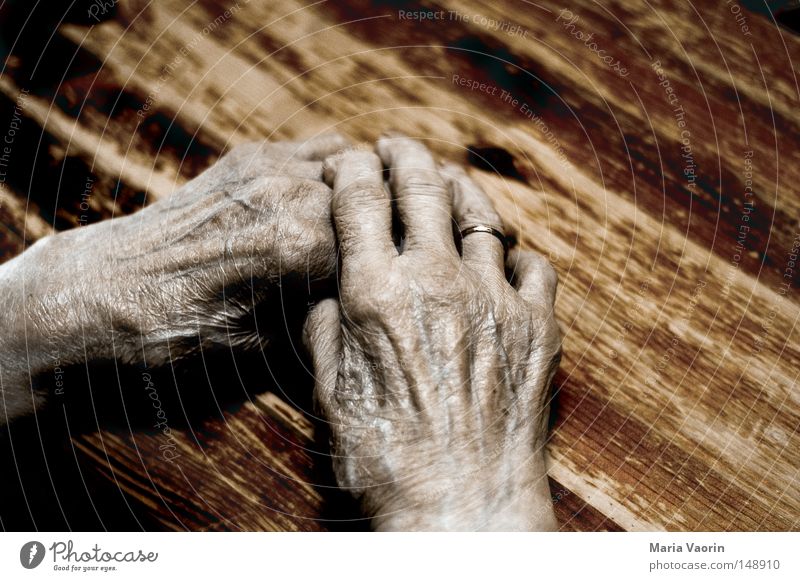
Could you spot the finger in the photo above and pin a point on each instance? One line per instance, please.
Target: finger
(533, 277)
(423, 200)
(259, 158)
(321, 146)
(315, 149)
(361, 209)
(321, 336)
(472, 207)
(301, 158)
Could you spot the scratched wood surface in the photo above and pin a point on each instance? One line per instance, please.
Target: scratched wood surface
(661, 182)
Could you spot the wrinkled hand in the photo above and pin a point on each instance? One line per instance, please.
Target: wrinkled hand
(433, 371)
(183, 272)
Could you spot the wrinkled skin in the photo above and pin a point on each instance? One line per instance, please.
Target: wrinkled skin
(432, 370)
(185, 271)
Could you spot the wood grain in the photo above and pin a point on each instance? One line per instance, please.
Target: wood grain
(677, 406)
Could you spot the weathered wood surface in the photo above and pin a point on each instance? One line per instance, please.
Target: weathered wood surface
(677, 406)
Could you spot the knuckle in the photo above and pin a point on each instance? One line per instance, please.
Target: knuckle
(352, 157)
(533, 259)
(370, 306)
(360, 156)
(549, 274)
(422, 184)
(474, 214)
(351, 203)
(360, 194)
(452, 170)
(537, 266)
(359, 189)
(364, 301)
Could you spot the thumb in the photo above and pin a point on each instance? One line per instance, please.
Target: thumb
(322, 337)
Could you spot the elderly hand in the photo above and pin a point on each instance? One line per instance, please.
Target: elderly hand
(432, 370)
(184, 272)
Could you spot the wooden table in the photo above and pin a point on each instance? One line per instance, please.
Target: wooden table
(654, 162)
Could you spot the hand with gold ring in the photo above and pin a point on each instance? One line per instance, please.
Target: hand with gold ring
(432, 369)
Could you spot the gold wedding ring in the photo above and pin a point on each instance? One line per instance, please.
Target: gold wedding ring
(486, 230)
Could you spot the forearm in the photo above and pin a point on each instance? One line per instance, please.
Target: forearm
(22, 357)
(41, 322)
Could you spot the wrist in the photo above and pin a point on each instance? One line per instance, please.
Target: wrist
(504, 498)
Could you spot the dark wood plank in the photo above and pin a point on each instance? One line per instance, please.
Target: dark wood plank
(677, 404)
